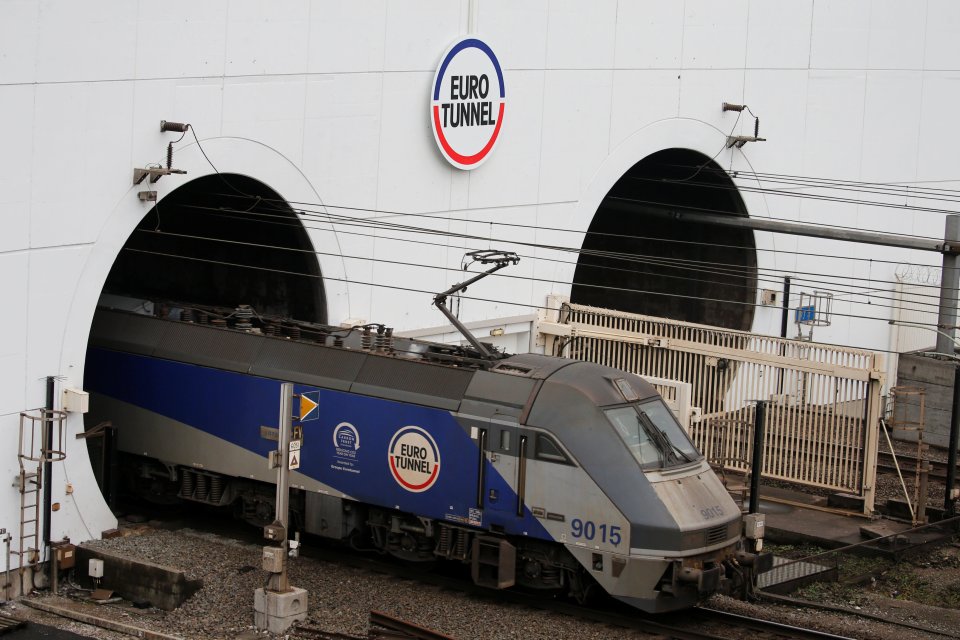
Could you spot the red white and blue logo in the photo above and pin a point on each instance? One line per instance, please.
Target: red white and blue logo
(468, 103)
(414, 459)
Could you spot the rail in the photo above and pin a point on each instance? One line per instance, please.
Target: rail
(407, 629)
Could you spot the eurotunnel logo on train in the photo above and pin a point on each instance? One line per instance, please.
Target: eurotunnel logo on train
(468, 103)
(414, 459)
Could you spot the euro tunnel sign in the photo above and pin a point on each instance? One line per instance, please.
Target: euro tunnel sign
(309, 405)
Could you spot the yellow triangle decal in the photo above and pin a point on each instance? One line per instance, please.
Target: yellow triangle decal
(306, 406)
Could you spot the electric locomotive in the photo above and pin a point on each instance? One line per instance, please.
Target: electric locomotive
(537, 471)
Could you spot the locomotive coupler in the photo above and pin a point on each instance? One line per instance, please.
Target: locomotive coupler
(758, 562)
(707, 580)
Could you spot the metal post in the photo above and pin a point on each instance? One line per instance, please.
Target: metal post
(949, 507)
(279, 581)
(278, 605)
(785, 316)
(949, 281)
(46, 445)
(923, 484)
(756, 466)
(6, 575)
(870, 442)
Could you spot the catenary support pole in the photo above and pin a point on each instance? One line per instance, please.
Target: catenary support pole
(785, 315)
(949, 505)
(756, 466)
(278, 606)
(949, 281)
(45, 447)
(46, 444)
(280, 582)
(784, 319)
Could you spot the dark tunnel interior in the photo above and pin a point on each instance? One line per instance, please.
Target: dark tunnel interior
(223, 240)
(640, 263)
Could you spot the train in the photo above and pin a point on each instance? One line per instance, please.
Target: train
(536, 471)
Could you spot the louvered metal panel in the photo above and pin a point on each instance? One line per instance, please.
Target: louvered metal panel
(209, 346)
(415, 382)
(126, 332)
(308, 364)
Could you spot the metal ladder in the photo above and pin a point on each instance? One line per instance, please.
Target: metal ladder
(31, 459)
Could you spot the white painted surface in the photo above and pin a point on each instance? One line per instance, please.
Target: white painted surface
(326, 102)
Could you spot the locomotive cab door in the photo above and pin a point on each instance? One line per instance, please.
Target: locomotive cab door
(501, 480)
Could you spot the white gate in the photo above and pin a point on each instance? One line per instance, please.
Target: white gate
(823, 401)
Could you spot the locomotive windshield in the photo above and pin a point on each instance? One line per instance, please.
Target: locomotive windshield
(653, 435)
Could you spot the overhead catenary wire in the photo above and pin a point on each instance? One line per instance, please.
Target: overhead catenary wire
(912, 188)
(703, 210)
(720, 268)
(717, 268)
(331, 218)
(305, 207)
(906, 187)
(527, 305)
(808, 196)
(496, 301)
(796, 188)
(870, 292)
(555, 248)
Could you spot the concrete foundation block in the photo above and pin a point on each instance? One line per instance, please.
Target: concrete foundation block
(163, 587)
(277, 612)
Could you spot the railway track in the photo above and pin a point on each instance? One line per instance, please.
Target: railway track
(384, 627)
(908, 466)
(696, 624)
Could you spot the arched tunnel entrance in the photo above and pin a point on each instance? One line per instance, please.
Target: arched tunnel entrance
(636, 258)
(218, 241)
(214, 241)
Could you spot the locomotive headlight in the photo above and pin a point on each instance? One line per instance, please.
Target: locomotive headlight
(692, 540)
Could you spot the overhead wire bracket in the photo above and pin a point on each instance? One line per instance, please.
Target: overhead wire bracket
(154, 173)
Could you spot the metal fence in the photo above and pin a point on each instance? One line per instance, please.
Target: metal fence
(823, 401)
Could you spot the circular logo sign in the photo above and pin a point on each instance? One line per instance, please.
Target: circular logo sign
(414, 459)
(468, 103)
(345, 436)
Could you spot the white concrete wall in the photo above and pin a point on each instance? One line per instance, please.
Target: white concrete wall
(328, 102)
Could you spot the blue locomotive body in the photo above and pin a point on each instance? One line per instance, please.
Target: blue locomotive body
(539, 471)
(354, 445)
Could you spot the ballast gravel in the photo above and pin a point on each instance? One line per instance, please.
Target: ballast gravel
(341, 598)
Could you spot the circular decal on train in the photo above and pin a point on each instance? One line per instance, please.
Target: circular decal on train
(346, 437)
(467, 103)
(414, 459)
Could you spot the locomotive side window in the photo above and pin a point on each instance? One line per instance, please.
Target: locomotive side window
(547, 449)
(504, 440)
